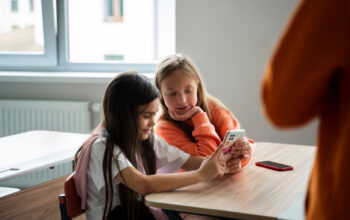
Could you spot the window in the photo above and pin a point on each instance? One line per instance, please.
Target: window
(14, 5)
(102, 36)
(114, 10)
(31, 5)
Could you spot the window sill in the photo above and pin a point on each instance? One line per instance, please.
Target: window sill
(60, 77)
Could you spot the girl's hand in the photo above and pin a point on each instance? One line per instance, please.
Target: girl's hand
(186, 115)
(233, 165)
(241, 148)
(211, 166)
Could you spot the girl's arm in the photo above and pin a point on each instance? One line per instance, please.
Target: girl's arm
(210, 167)
(193, 163)
(233, 165)
(206, 138)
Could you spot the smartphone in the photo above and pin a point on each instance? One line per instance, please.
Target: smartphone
(274, 165)
(230, 138)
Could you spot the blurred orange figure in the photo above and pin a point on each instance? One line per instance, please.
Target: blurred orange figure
(308, 77)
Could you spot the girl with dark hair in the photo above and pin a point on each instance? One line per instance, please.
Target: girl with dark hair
(123, 160)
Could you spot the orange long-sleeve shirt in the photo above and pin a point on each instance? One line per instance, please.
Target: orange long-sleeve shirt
(207, 134)
(308, 77)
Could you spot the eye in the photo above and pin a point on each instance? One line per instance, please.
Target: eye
(188, 91)
(147, 116)
(172, 94)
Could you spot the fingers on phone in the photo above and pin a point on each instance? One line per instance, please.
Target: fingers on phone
(218, 151)
(244, 156)
(234, 168)
(233, 162)
(222, 172)
(241, 143)
(238, 167)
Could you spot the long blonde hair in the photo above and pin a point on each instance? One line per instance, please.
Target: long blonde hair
(181, 62)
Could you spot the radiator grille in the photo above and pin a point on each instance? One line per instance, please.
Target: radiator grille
(24, 115)
(18, 116)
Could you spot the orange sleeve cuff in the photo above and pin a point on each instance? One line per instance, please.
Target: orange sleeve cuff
(200, 119)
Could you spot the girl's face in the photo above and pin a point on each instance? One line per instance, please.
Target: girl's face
(147, 115)
(179, 91)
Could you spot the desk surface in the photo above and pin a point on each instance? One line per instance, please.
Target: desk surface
(30, 151)
(253, 193)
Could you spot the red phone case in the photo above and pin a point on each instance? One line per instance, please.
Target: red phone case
(274, 165)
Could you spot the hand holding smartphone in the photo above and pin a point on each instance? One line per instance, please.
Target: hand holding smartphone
(274, 165)
(230, 138)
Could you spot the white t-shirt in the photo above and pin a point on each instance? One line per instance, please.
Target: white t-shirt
(169, 159)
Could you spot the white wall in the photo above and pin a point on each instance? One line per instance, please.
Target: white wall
(231, 42)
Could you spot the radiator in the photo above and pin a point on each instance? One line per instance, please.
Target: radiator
(24, 115)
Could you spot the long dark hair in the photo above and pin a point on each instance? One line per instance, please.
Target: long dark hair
(124, 94)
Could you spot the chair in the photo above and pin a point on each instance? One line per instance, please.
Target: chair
(70, 201)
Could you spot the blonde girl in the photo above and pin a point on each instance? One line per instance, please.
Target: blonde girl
(191, 119)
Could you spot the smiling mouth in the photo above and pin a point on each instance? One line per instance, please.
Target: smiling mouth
(182, 109)
(146, 131)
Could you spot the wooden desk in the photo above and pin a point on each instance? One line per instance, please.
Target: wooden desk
(35, 150)
(253, 193)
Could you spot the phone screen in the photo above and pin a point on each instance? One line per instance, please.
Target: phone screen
(274, 165)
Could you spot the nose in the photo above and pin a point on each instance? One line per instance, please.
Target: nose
(152, 122)
(181, 98)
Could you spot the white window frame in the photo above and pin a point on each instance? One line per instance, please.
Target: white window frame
(56, 55)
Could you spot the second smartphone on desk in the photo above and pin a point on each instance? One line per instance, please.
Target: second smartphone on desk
(274, 165)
